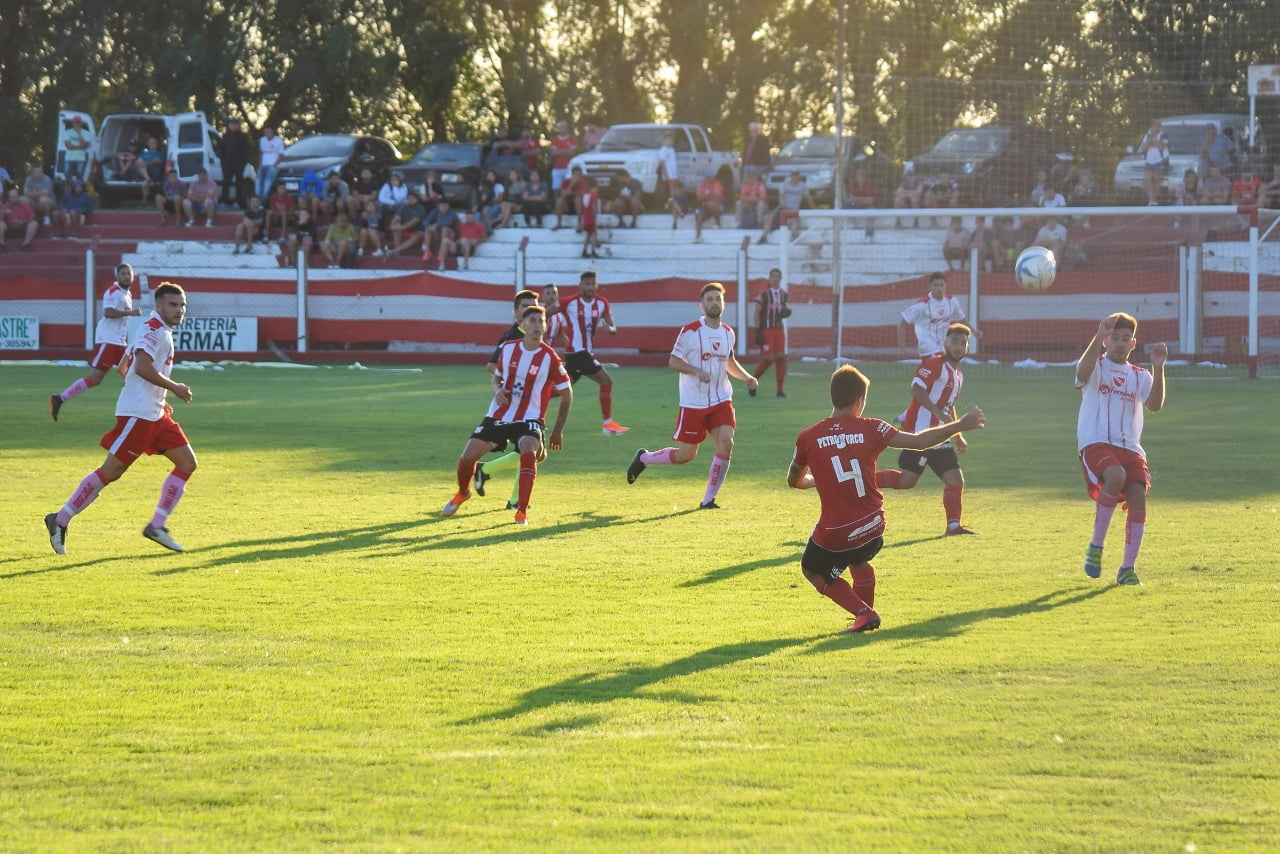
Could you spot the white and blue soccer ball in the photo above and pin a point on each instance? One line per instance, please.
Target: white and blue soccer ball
(1035, 268)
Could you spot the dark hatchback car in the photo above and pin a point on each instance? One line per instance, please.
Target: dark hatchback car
(814, 157)
(457, 166)
(992, 165)
(343, 153)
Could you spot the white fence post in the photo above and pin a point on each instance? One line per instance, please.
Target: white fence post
(302, 301)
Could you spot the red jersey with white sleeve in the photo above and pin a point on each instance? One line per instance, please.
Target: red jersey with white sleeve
(942, 381)
(529, 377)
(114, 330)
(1111, 405)
(708, 348)
(931, 317)
(841, 455)
(581, 319)
(140, 398)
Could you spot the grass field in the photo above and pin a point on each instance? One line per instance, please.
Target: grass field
(334, 665)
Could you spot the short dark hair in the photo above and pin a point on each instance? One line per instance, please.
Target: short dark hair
(167, 288)
(533, 309)
(524, 295)
(1126, 321)
(711, 286)
(123, 266)
(848, 386)
(587, 274)
(962, 328)
(933, 277)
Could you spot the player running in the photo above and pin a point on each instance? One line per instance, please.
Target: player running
(934, 390)
(703, 356)
(837, 456)
(144, 424)
(1109, 434)
(583, 314)
(529, 371)
(110, 338)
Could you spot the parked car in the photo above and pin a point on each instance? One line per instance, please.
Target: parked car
(188, 140)
(457, 166)
(1185, 135)
(993, 165)
(343, 153)
(814, 157)
(634, 147)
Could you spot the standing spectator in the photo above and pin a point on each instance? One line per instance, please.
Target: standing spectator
(1216, 189)
(279, 208)
(930, 316)
(370, 224)
(1051, 198)
(1271, 189)
(336, 195)
(18, 218)
(1219, 149)
(363, 191)
(38, 190)
(151, 166)
(392, 195)
(441, 227)
(537, 200)
(78, 142)
(339, 244)
(406, 225)
(271, 149)
(792, 196)
(569, 196)
(909, 193)
(592, 135)
(302, 236)
(753, 202)
(710, 195)
(234, 151)
(564, 146)
(311, 193)
(668, 165)
(1155, 155)
(771, 337)
(530, 149)
(629, 200)
(250, 225)
(73, 210)
(171, 196)
(589, 219)
(755, 153)
(471, 233)
(202, 196)
(955, 245)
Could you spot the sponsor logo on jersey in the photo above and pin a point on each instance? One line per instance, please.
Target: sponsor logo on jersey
(840, 440)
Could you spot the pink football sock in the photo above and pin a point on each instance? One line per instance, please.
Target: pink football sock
(655, 458)
(84, 495)
(170, 492)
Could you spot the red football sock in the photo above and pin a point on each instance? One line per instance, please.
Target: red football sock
(760, 369)
(864, 583)
(528, 471)
(841, 593)
(888, 478)
(606, 401)
(780, 373)
(466, 471)
(951, 502)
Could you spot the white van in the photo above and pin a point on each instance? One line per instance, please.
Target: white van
(188, 140)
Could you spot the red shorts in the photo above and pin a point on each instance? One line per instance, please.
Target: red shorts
(106, 356)
(133, 436)
(693, 423)
(1098, 457)
(775, 342)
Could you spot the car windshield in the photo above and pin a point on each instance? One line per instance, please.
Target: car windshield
(973, 142)
(810, 148)
(631, 139)
(320, 146)
(451, 153)
(1182, 139)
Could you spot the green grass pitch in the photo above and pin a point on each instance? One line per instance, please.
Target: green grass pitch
(333, 665)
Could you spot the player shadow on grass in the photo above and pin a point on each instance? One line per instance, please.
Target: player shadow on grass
(727, 572)
(630, 683)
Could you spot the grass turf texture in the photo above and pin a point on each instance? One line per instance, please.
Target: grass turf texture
(333, 664)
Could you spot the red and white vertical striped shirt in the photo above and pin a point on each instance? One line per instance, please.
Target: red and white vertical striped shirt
(529, 377)
(942, 381)
(582, 318)
(1111, 405)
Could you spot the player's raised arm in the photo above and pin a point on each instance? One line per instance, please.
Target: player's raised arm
(972, 420)
(1159, 355)
(1089, 358)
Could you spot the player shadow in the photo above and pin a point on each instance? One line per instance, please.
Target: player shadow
(84, 564)
(899, 544)
(946, 626)
(727, 572)
(632, 682)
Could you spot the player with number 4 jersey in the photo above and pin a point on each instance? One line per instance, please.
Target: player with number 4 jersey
(837, 456)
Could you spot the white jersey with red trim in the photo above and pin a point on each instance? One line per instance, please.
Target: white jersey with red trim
(141, 398)
(582, 318)
(114, 330)
(1111, 405)
(708, 348)
(942, 381)
(556, 326)
(529, 377)
(931, 317)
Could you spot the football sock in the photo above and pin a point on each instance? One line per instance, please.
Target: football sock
(81, 385)
(864, 583)
(466, 471)
(528, 471)
(780, 372)
(502, 463)
(715, 477)
(656, 458)
(1102, 517)
(841, 593)
(761, 369)
(951, 502)
(84, 495)
(174, 485)
(1135, 525)
(888, 478)
(606, 402)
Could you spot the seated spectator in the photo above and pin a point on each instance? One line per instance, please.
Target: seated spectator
(311, 194)
(1247, 188)
(629, 198)
(18, 219)
(909, 194)
(1006, 243)
(1084, 191)
(1216, 189)
(252, 224)
(302, 235)
(73, 210)
(363, 191)
(569, 198)
(941, 192)
(537, 200)
(1051, 198)
(589, 220)
(336, 196)
(489, 199)
(339, 244)
(955, 245)
(126, 164)
(710, 195)
(1271, 189)
(792, 196)
(677, 201)
(753, 201)
(202, 197)
(1053, 236)
(861, 192)
(6, 181)
(38, 191)
(471, 233)
(370, 225)
(279, 209)
(432, 189)
(152, 160)
(169, 197)
(982, 240)
(441, 227)
(392, 196)
(1037, 192)
(512, 198)
(1187, 191)
(406, 225)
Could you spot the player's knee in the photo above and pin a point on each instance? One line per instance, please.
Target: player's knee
(93, 379)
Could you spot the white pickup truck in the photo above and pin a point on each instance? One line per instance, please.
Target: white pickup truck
(634, 147)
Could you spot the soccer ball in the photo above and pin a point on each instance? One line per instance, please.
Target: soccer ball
(1035, 268)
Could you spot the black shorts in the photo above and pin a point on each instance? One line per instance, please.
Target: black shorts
(829, 565)
(499, 433)
(581, 364)
(941, 460)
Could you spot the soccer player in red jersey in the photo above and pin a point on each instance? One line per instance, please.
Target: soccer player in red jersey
(703, 356)
(144, 424)
(1109, 435)
(582, 316)
(771, 338)
(529, 372)
(110, 338)
(934, 390)
(837, 456)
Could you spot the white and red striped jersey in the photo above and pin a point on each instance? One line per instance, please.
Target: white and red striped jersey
(529, 377)
(555, 328)
(114, 330)
(141, 398)
(771, 302)
(708, 348)
(1111, 405)
(841, 455)
(931, 317)
(582, 318)
(942, 382)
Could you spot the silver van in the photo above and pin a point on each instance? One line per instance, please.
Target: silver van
(1185, 135)
(188, 140)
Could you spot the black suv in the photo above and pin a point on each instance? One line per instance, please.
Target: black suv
(343, 153)
(992, 165)
(457, 168)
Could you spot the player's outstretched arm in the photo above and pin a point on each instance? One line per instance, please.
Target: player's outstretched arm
(1089, 358)
(145, 367)
(972, 420)
(1159, 355)
(562, 418)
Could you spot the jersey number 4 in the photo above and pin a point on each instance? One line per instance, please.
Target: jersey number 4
(853, 473)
